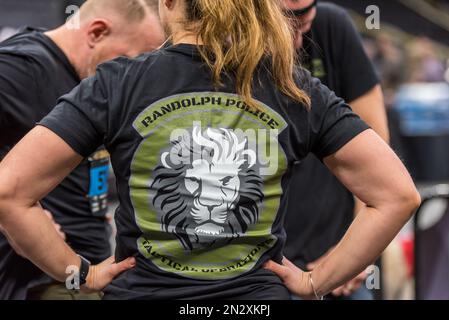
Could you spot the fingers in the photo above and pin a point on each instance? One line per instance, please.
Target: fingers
(351, 286)
(284, 270)
(56, 225)
(362, 277)
(338, 292)
(108, 218)
(279, 270)
(348, 288)
(49, 215)
(59, 230)
(101, 275)
(345, 290)
(117, 268)
(311, 266)
(288, 263)
(293, 278)
(108, 261)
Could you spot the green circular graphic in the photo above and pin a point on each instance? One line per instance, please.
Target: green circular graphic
(218, 111)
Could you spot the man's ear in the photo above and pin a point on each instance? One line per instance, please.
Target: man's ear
(97, 31)
(169, 3)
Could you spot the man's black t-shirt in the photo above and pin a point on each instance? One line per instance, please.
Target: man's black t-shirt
(34, 73)
(200, 174)
(320, 208)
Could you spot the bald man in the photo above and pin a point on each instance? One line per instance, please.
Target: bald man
(36, 68)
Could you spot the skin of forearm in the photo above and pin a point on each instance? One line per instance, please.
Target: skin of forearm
(12, 243)
(368, 236)
(50, 253)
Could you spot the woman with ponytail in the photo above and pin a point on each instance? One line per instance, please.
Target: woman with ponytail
(202, 134)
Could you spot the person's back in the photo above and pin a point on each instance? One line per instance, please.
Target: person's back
(170, 169)
(200, 173)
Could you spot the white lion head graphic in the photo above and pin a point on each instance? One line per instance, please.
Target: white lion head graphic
(207, 188)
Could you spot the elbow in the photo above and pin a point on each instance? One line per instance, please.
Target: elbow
(416, 201)
(401, 203)
(410, 201)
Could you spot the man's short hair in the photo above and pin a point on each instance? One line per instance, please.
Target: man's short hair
(132, 10)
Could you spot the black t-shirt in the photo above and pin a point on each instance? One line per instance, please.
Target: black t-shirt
(200, 174)
(320, 208)
(34, 73)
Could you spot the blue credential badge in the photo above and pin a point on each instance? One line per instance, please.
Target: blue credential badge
(98, 184)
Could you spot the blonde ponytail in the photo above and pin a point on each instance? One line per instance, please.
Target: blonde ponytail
(237, 34)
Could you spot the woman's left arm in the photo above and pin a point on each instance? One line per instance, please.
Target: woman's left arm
(28, 173)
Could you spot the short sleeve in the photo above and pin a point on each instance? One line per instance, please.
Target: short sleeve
(357, 74)
(80, 118)
(332, 124)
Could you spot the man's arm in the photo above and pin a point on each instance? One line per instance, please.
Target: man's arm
(359, 83)
(371, 108)
(29, 172)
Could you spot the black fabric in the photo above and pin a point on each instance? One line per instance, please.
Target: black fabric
(34, 73)
(123, 100)
(333, 52)
(320, 208)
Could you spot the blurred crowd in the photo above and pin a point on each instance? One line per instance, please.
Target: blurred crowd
(398, 63)
(422, 64)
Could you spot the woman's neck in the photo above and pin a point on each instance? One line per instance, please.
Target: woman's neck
(184, 36)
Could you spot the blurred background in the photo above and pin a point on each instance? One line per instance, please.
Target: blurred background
(411, 54)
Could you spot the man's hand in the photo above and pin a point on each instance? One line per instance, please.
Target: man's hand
(102, 274)
(348, 288)
(351, 286)
(109, 218)
(296, 280)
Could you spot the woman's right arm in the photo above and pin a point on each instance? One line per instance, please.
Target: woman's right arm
(372, 171)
